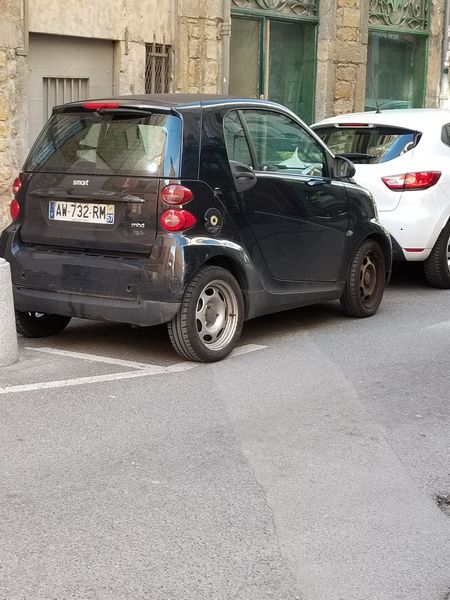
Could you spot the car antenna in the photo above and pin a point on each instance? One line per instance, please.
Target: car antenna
(378, 111)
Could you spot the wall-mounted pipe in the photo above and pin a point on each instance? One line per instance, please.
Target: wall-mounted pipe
(225, 36)
(23, 51)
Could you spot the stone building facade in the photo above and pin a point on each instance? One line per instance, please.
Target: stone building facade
(312, 55)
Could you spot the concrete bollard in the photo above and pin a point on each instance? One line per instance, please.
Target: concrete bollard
(9, 353)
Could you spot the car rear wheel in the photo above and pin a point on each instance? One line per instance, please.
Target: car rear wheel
(437, 265)
(36, 324)
(210, 320)
(366, 280)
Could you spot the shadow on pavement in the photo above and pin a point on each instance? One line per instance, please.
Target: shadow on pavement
(152, 344)
(408, 275)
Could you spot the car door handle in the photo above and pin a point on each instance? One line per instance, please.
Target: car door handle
(244, 175)
(316, 181)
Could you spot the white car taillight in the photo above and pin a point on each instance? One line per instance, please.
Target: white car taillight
(420, 180)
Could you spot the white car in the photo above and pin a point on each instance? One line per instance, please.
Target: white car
(403, 158)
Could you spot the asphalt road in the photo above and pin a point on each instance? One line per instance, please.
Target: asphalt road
(308, 467)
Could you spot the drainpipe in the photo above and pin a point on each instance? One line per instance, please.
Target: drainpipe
(23, 51)
(225, 37)
(444, 86)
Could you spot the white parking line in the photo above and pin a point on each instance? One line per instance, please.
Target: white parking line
(78, 381)
(93, 357)
(439, 325)
(246, 349)
(144, 369)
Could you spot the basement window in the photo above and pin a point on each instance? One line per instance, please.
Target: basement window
(157, 68)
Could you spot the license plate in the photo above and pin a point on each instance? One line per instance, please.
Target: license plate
(86, 212)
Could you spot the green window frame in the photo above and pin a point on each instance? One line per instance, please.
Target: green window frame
(397, 53)
(286, 54)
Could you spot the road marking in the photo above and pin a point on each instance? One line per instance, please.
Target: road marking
(93, 358)
(246, 349)
(439, 325)
(78, 381)
(144, 369)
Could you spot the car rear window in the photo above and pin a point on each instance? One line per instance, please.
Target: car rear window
(369, 144)
(108, 144)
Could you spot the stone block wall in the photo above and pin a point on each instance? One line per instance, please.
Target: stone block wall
(341, 57)
(350, 56)
(12, 111)
(199, 66)
(5, 135)
(131, 24)
(435, 62)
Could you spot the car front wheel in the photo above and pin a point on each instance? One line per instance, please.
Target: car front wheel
(35, 324)
(366, 280)
(437, 265)
(210, 320)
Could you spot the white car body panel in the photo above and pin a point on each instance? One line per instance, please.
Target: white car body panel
(414, 218)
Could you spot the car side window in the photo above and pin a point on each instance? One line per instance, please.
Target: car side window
(235, 140)
(281, 143)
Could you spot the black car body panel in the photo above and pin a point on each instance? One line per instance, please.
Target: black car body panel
(135, 200)
(288, 239)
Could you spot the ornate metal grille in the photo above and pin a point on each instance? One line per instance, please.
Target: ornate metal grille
(292, 8)
(405, 15)
(157, 68)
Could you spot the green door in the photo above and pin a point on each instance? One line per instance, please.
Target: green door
(274, 59)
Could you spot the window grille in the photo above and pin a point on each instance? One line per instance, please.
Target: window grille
(157, 68)
(295, 9)
(405, 15)
(59, 90)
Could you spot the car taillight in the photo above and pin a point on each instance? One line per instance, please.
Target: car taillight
(420, 180)
(14, 209)
(100, 105)
(177, 220)
(16, 186)
(176, 194)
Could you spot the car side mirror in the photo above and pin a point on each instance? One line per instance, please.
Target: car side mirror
(343, 168)
(244, 177)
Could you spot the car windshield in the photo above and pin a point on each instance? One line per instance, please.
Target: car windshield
(108, 144)
(368, 145)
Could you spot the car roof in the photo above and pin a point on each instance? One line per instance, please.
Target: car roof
(176, 101)
(418, 119)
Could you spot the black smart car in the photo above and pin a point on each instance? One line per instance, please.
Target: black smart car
(195, 211)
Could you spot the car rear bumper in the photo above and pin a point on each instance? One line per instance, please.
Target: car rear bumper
(138, 312)
(416, 223)
(143, 290)
(400, 254)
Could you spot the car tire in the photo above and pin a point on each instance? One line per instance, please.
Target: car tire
(437, 265)
(36, 324)
(211, 316)
(366, 281)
